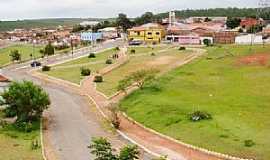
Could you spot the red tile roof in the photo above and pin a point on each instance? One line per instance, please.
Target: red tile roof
(4, 79)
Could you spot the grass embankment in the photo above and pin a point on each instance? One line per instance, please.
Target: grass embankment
(235, 94)
(142, 59)
(25, 51)
(17, 145)
(71, 71)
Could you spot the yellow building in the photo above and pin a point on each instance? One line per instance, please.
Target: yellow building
(148, 33)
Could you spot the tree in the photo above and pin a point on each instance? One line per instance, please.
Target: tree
(49, 50)
(143, 76)
(124, 84)
(123, 22)
(233, 22)
(26, 100)
(15, 55)
(103, 150)
(206, 42)
(255, 29)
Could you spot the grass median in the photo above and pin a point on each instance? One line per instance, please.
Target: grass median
(231, 83)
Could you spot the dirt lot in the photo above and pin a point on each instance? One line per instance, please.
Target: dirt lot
(261, 59)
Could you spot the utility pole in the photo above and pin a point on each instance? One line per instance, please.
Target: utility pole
(72, 50)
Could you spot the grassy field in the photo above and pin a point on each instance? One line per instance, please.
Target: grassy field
(15, 145)
(235, 94)
(70, 71)
(25, 51)
(141, 60)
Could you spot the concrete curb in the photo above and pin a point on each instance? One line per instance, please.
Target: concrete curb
(41, 140)
(211, 153)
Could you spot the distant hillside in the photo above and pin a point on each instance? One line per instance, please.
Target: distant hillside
(26, 24)
(218, 12)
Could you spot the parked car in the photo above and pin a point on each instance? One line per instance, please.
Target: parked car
(35, 64)
(135, 43)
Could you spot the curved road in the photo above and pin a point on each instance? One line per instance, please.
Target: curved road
(72, 122)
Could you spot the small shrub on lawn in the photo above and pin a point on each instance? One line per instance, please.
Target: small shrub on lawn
(133, 51)
(98, 79)
(9, 113)
(85, 72)
(199, 115)
(109, 61)
(117, 48)
(249, 143)
(35, 145)
(92, 55)
(46, 68)
(153, 54)
(24, 126)
(182, 48)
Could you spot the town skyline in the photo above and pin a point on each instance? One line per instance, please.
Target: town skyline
(36, 9)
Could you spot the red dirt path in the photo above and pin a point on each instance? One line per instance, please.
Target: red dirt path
(261, 59)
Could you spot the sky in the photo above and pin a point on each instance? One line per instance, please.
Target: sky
(32, 9)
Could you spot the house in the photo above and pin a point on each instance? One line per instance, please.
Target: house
(147, 33)
(249, 22)
(249, 39)
(225, 37)
(109, 33)
(190, 39)
(90, 36)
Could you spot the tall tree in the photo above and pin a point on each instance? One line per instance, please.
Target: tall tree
(15, 55)
(49, 50)
(123, 22)
(233, 22)
(26, 100)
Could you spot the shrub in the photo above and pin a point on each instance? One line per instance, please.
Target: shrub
(199, 115)
(92, 55)
(24, 126)
(117, 48)
(85, 72)
(206, 42)
(109, 61)
(153, 54)
(98, 79)
(133, 51)
(46, 68)
(9, 112)
(35, 145)
(182, 48)
(249, 143)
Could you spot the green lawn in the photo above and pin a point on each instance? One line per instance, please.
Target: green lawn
(25, 51)
(16, 145)
(70, 71)
(237, 97)
(160, 61)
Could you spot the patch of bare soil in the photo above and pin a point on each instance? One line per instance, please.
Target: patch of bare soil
(161, 61)
(255, 59)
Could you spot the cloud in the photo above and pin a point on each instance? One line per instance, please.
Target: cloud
(23, 9)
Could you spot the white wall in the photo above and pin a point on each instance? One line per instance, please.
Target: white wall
(248, 39)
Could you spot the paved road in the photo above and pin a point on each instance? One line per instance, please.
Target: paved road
(72, 122)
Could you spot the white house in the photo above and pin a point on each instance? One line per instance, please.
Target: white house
(249, 39)
(109, 32)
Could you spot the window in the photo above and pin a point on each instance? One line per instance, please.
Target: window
(157, 33)
(149, 33)
(138, 33)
